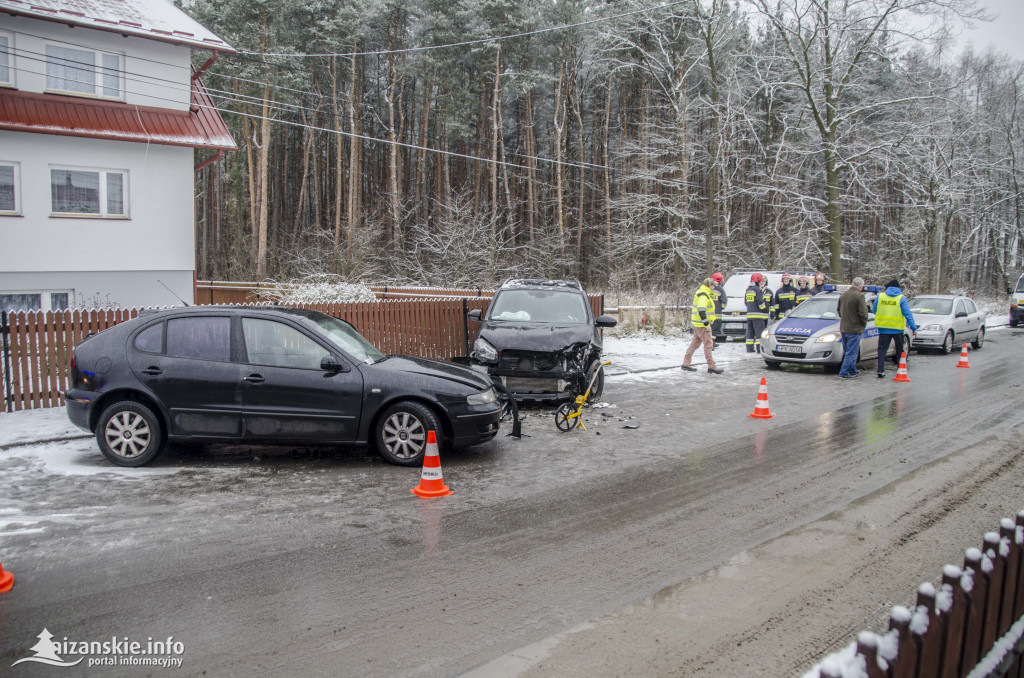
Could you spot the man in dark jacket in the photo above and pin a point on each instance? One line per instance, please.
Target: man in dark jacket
(853, 319)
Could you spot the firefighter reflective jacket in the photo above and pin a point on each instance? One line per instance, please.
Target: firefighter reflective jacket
(702, 313)
(756, 306)
(769, 300)
(785, 299)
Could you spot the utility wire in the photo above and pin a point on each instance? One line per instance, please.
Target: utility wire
(465, 43)
(361, 137)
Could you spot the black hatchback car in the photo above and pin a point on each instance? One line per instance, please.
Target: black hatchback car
(267, 375)
(540, 339)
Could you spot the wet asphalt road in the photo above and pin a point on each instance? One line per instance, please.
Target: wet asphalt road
(320, 562)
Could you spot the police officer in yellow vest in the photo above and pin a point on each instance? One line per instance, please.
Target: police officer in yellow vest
(702, 316)
(892, 316)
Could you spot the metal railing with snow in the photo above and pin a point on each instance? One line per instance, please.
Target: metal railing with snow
(971, 626)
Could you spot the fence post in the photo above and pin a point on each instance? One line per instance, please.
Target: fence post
(5, 332)
(465, 324)
(904, 665)
(955, 624)
(995, 591)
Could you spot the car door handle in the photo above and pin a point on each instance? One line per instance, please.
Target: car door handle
(152, 370)
(254, 379)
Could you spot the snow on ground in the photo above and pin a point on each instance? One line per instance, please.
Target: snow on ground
(32, 425)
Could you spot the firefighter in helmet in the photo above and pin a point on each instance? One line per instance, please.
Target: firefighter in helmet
(803, 292)
(785, 296)
(819, 283)
(757, 312)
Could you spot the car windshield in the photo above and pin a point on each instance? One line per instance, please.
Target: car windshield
(817, 309)
(1020, 284)
(931, 306)
(345, 337)
(539, 306)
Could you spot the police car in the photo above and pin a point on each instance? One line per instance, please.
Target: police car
(809, 335)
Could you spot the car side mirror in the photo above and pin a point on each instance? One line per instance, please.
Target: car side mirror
(606, 321)
(330, 364)
(474, 314)
(961, 314)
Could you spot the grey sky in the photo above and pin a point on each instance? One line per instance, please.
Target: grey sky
(1005, 33)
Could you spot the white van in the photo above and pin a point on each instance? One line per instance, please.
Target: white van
(734, 313)
(1017, 302)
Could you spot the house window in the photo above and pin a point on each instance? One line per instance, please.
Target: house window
(84, 71)
(6, 66)
(9, 185)
(35, 301)
(96, 192)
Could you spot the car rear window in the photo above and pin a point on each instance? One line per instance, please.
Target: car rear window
(150, 339)
(203, 337)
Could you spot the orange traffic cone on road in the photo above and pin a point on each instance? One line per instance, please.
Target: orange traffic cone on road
(431, 479)
(901, 371)
(6, 580)
(963, 357)
(761, 410)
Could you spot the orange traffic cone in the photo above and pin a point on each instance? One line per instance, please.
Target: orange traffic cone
(963, 357)
(761, 410)
(431, 479)
(901, 371)
(6, 580)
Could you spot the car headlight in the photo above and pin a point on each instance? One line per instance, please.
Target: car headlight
(482, 398)
(932, 328)
(765, 334)
(829, 338)
(484, 351)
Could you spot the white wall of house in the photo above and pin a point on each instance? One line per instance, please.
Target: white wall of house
(119, 258)
(156, 73)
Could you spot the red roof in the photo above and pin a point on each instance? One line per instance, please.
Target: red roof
(153, 19)
(199, 127)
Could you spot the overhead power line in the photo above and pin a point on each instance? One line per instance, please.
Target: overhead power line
(465, 43)
(361, 137)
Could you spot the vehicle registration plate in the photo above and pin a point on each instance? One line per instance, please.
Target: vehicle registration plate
(735, 325)
(789, 349)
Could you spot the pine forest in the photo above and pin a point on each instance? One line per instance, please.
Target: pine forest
(631, 145)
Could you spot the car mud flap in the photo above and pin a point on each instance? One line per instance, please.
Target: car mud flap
(517, 427)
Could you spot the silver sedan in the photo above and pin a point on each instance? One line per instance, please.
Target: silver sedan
(947, 320)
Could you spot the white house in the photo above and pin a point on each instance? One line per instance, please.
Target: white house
(100, 115)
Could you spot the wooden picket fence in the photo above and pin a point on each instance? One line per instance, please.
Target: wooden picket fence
(37, 345)
(973, 625)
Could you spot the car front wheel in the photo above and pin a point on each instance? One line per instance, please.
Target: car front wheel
(401, 432)
(947, 343)
(129, 434)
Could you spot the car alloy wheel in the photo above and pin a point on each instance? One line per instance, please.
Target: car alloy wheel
(404, 435)
(947, 343)
(980, 339)
(401, 432)
(129, 434)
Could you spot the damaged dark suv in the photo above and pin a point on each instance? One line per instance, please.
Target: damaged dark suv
(540, 339)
